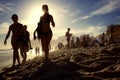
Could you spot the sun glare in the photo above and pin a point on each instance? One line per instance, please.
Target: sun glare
(33, 13)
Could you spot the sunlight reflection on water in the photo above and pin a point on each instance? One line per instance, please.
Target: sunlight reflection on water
(6, 57)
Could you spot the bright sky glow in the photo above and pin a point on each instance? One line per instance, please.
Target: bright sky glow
(82, 16)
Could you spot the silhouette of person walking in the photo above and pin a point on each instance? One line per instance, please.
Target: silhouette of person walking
(17, 29)
(77, 43)
(26, 44)
(103, 39)
(36, 50)
(44, 31)
(68, 35)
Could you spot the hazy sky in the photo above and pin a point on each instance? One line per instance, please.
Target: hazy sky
(82, 16)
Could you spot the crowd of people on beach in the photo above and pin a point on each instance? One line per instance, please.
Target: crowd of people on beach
(86, 41)
(21, 37)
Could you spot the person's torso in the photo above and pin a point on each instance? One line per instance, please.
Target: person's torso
(16, 30)
(45, 23)
(27, 36)
(68, 35)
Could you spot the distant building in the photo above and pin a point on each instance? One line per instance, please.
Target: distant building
(113, 31)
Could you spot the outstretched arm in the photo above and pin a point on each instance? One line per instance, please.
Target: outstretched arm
(8, 34)
(52, 21)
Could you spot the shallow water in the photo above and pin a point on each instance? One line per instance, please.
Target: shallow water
(6, 57)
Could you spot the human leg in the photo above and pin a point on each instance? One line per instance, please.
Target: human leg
(25, 54)
(48, 39)
(14, 58)
(17, 57)
(43, 42)
(68, 44)
(15, 52)
(21, 52)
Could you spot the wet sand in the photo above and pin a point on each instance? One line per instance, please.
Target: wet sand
(76, 64)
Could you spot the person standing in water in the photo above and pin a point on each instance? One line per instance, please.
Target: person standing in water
(17, 29)
(68, 35)
(26, 44)
(44, 31)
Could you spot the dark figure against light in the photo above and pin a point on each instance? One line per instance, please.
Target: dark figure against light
(26, 44)
(17, 29)
(68, 35)
(44, 31)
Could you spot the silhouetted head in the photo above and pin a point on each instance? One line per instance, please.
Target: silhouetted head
(77, 38)
(88, 35)
(25, 27)
(45, 8)
(68, 29)
(14, 17)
